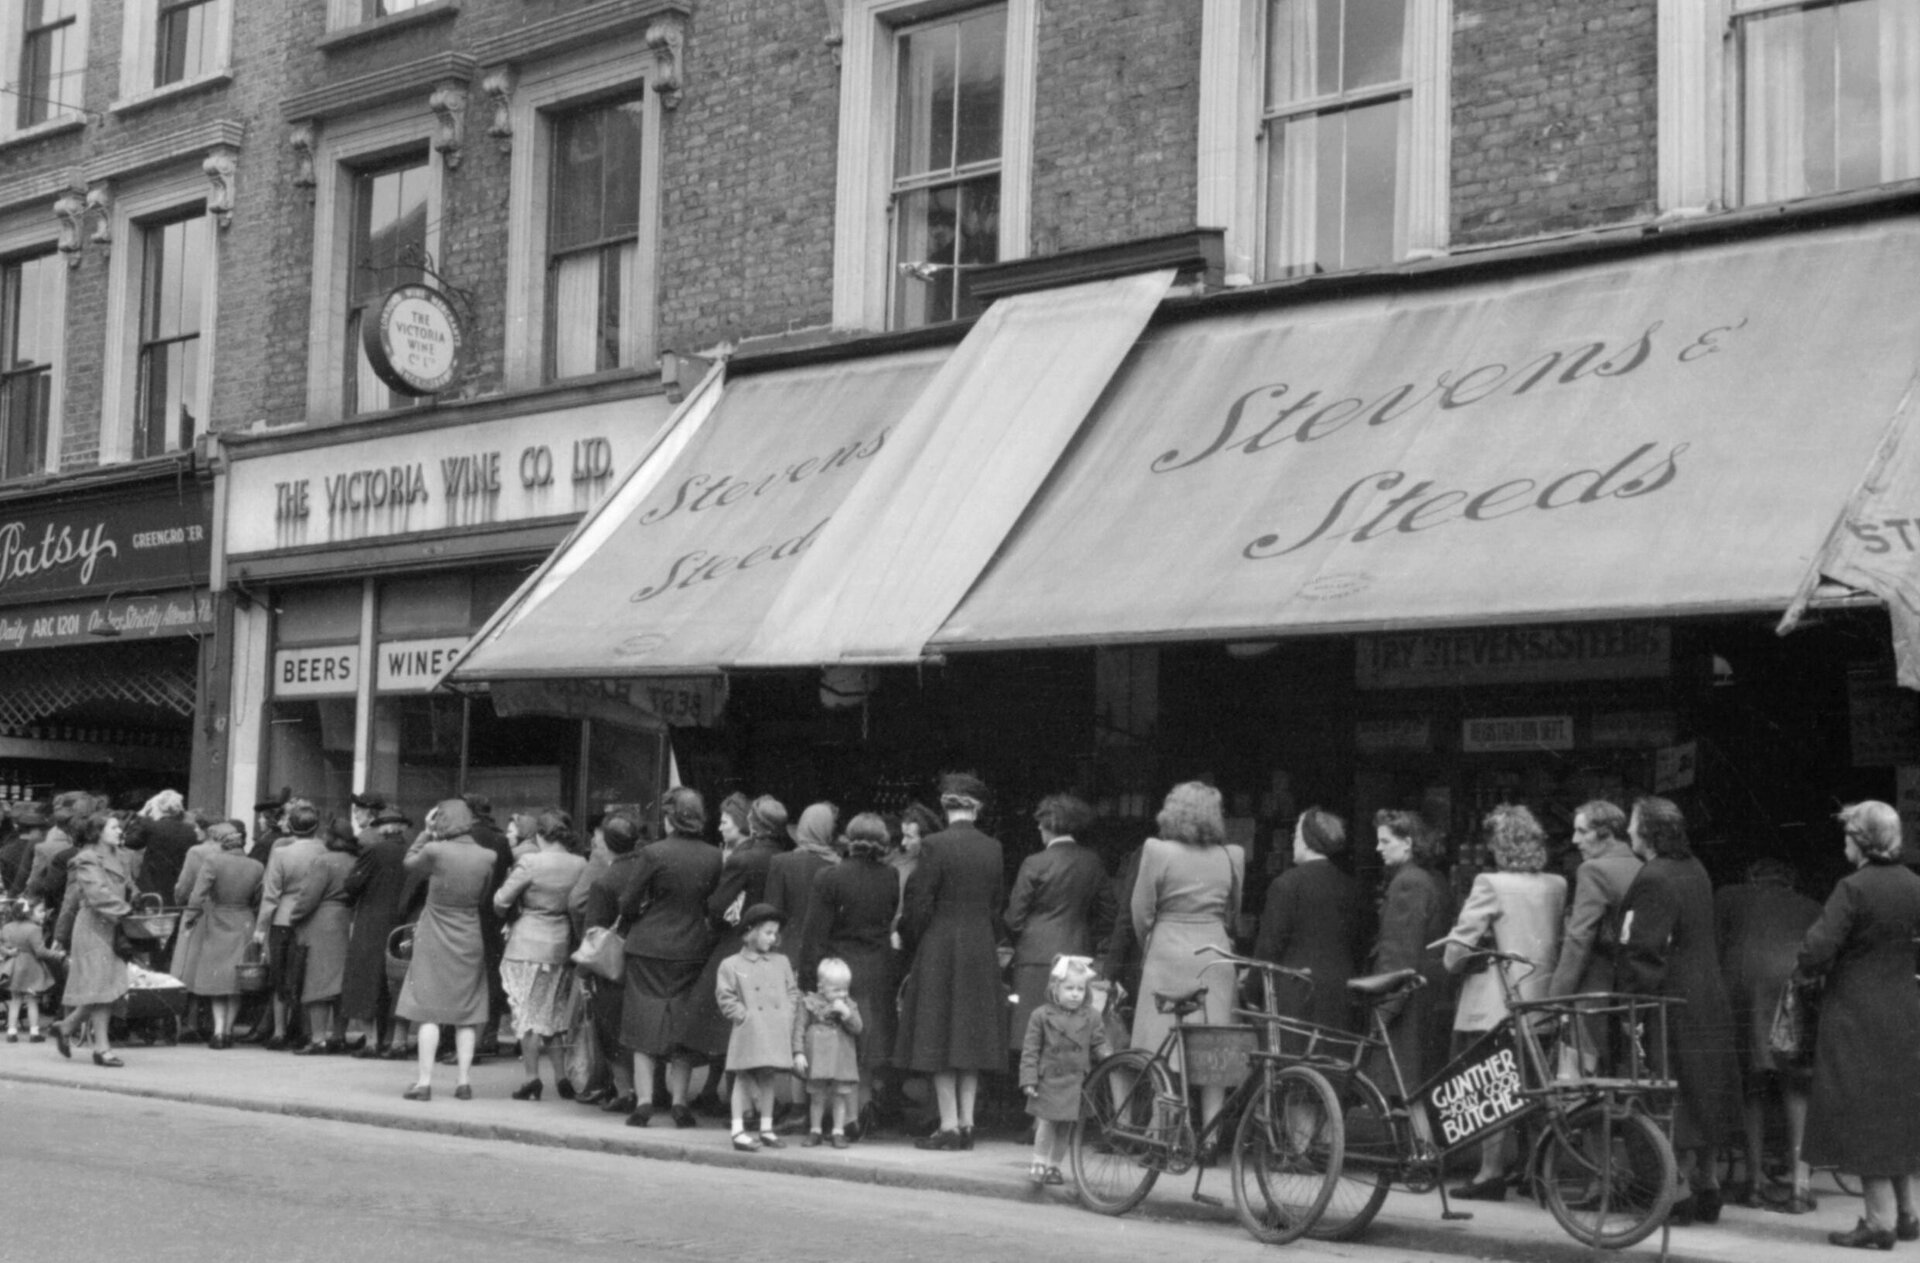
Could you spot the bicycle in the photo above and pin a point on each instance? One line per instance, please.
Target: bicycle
(1603, 1161)
(1137, 1121)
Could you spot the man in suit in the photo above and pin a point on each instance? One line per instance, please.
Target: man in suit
(1062, 904)
(287, 867)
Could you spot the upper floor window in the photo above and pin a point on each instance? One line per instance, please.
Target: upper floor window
(189, 41)
(175, 264)
(53, 59)
(386, 249)
(171, 46)
(593, 233)
(951, 81)
(1828, 96)
(29, 331)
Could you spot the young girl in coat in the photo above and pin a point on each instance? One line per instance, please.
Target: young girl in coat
(23, 957)
(825, 1049)
(1065, 1038)
(757, 994)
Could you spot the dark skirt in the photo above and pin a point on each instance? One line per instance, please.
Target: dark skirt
(655, 1012)
(707, 1030)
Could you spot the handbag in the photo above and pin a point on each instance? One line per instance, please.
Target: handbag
(250, 975)
(602, 953)
(1791, 1036)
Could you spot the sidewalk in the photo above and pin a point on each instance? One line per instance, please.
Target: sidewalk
(368, 1092)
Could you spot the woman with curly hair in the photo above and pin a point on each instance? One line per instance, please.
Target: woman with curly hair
(1518, 906)
(535, 970)
(99, 893)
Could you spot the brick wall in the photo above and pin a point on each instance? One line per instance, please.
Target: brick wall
(1553, 116)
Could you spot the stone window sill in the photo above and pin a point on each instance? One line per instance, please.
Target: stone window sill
(380, 28)
(170, 92)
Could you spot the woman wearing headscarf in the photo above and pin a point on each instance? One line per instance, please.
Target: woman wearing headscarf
(1866, 1057)
(665, 903)
(851, 918)
(375, 888)
(1518, 905)
(953, 1012)
(99, 893)
(535, 968)
(1417, 910)
(1668, 948)
(1061, 905)
(322, 921)
(226, 891)
(751, 835)
(791, 875)
(447, 980)
(1311, 921)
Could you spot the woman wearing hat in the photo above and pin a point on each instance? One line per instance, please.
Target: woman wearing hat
(953, 1011)
(447, 981)
(226, 891)
(666, 904)
(376, 888)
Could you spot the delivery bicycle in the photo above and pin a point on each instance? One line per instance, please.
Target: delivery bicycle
(1138, 1120)
(1588, 1072)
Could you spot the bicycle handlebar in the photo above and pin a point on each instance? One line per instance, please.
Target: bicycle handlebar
(1488, 953)
(1228, 958)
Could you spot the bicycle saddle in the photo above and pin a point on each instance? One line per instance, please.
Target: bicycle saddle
(1180, 1003)
(1380, 986)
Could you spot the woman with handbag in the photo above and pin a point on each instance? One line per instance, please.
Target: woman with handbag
(534, 969)
(1866, 1059)
(604, 980)
(99, 893)
(225, 896)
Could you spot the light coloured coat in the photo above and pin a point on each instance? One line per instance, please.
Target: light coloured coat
(1523, 910)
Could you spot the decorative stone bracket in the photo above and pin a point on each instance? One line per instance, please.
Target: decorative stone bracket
(499, 83)
(100, 206)
(70, 208)
(449, 106)
(304, 138)
(836, 27)
(667, 40)
(222, 168)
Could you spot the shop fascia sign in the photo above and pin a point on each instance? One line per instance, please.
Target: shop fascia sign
(185, 613)
(317, 671)
(1502, 734)
(86, 549)
(1470, 656)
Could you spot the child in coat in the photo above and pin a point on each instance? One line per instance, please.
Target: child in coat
(757, 994)
(825, 1051)
(1065, 1037)
(23, 968)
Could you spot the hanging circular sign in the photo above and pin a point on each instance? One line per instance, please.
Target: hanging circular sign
(413, 340)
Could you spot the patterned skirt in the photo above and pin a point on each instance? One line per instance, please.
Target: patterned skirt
(541, 997)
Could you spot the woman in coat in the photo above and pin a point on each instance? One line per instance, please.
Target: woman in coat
(447, 981)
(953, 1012)
(665, 904)
(322, 920)
(1866, 1060)
(1186, 897)
(225, 896)
(1668, 948)
(851, 918)
(1061, 905)
(1417, 911)
(375, 889)
(535, 968)
(1520, 906)
(751, 836)
(791, 874)
(1311, 921)
(99, 893)
(186, 944)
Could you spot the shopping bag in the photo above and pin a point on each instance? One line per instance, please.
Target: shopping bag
(1790, 1038)
(250, 975)
(602, 953)
(583, 1046)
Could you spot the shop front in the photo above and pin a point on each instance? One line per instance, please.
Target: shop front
(106, 635)
(361, 561)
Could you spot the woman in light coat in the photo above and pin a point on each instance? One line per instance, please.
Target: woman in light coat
(100, 892)
(1520, 907)
(535, 969)
(446, 981)
(225, 896)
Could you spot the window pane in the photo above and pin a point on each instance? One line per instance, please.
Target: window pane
(923, 123)
(1334, 189)
(1322, 48)
(33, 321)
(983, 55)
(391, 229)
(574, 291)
(187, 35)
(622, 214)
(25, 399)
(1375, 43)
(579, 173)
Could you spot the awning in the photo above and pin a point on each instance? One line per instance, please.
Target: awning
(823, 514)
(1671, 433)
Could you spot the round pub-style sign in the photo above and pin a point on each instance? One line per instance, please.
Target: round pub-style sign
(413, 340)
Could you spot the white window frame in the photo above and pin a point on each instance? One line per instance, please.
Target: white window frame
(343, 146)
(544, 90)
(13, 31)
(1230, 193)
(862, 237)
(29, 230)
(139, 46)
(136, 205)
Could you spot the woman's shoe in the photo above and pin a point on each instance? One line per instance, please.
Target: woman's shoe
(966, 1138)
(1907, 1227)
(771, 1140)
(683, 1117)
(1864, 1237)
(1037, 1172)
(1492, 1190)
(1800, 1203)
(107, 1059)
(418, 1092)
(13, 1037)
(62, 1040)
(563, 1088)
(945, 1138)
(530, 1090)
(1682, 1214)
(1054, 1176)
(36, 1038)
(310, 1050)
(357, 1046)
(813, 1141)
(840, 1140)
(463, 1091)
(624, 1103)
(746, 1141)
(640, 1116)
(1706, 1205)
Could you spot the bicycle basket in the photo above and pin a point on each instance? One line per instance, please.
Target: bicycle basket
(1292, 1039)
(1604, 1040)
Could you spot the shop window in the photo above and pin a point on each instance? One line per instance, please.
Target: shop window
(593, 232)
(434, 605)
(386, 249)
(175, 262)
(317, 615)
(428, 747)
(30, 320)
(52, 59)
(310, 748)
(942, 96)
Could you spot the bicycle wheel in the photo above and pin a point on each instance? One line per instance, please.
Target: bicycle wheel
(1286, 1155)
(1366, 1173)
(1119, 1141)
(1608, 1177)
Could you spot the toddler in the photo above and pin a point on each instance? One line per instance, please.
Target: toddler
(23, 957)
(825, 1052)
(758, 995)
(1065, 1037)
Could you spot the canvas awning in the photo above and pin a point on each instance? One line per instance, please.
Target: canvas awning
(830, 513)
(1670, 433)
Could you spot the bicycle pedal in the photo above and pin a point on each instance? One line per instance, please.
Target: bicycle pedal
(1207, 1199)
(1456, 1214)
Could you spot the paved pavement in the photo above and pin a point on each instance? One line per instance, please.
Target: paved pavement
(368, 1092)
